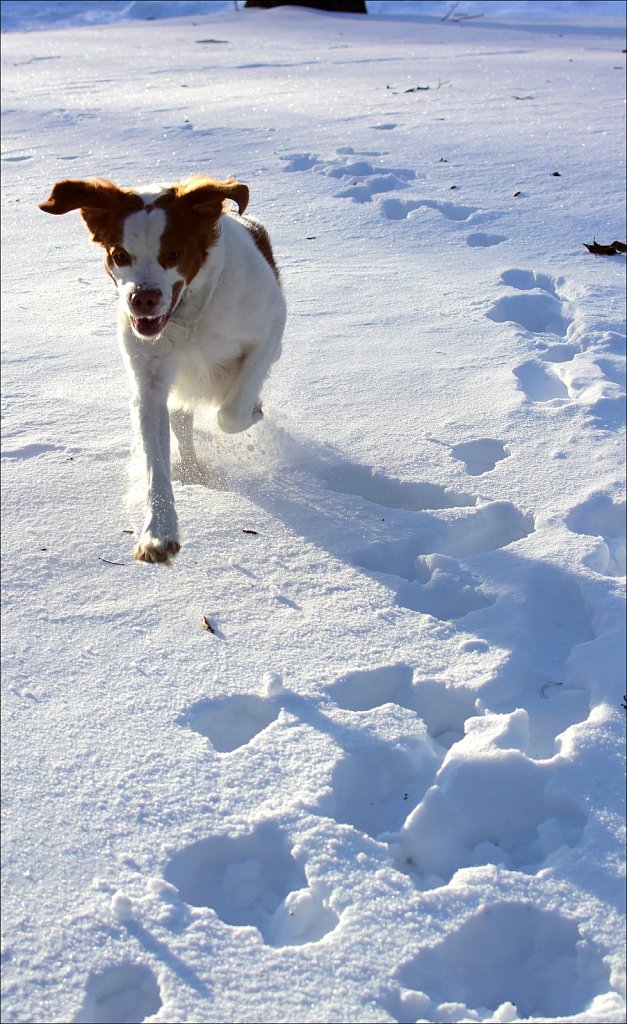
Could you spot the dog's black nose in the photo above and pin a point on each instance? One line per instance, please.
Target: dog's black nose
(144, 301)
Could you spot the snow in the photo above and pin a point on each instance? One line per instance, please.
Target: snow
(387, 785)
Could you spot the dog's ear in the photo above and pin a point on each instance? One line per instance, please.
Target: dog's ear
(99, 200)
(204, 195)
(79, 194)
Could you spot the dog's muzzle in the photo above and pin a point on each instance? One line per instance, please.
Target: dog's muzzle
(142, 302)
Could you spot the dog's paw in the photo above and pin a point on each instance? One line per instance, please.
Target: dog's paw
(153, 549)
(233, 422)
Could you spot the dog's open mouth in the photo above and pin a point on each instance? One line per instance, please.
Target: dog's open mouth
(150, 326)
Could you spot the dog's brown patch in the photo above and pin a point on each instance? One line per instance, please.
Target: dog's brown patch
(193, 209)
(261, 238)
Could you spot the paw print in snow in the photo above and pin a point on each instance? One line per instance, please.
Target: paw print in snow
(511, 960)
(480, 456)
(231, 722)
(600, 517)
(253, 879)
(126, 992)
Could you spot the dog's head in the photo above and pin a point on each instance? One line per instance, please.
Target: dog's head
(155, 240)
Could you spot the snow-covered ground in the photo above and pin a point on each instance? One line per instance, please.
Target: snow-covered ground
(388, 786)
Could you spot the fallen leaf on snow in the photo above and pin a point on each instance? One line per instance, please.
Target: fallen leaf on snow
(613, 249)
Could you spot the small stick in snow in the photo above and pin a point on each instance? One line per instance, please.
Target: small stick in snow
(425, 88)
(207, 625)
(253, 533)
(545, 687)
(109, 562)
(461, 16)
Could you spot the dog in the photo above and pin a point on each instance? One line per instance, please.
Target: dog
(201, 316)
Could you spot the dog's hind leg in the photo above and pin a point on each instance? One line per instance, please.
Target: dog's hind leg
(242, 405)
(182, 423)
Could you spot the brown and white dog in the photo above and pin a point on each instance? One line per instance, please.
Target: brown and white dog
(200, 320)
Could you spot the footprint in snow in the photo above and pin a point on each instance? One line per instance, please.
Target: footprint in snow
(30, 451)
(253, 880)
(539, 384)
(373, 788)
(365, 181)
(526, 280)
(402, 209)
(362, 179)
(594, 383)
(301, 161)
(443, 709)
(537, 313)
(480, 240)
(613, 369)
(561, 353)
(364, 187)
(480, 456)
(443, 588)
(427, 559)
(436, 583)
(511, 959)
(231, 722)
(126, 993)
(537, 307)
(600, 517)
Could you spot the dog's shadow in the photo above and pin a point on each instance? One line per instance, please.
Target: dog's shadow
(311, 487)
(484, 586)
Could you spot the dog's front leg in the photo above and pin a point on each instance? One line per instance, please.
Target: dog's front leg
(159, 539)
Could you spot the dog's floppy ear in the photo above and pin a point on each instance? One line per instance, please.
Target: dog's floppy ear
(204, 195)
(79, 194)
(100, 201)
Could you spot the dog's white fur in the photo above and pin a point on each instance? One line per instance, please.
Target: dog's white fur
(223, 334)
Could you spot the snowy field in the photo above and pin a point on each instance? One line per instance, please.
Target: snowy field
(387, 787)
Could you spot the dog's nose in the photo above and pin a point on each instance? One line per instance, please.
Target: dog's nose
(144, 301)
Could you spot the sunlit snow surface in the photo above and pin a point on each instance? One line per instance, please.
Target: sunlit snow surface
(387, 786)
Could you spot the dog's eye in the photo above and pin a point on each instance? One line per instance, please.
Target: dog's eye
(121, 258)
(173, 256)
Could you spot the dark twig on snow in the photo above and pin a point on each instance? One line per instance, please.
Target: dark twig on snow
(109, 562)
(459, 17)
(452, 8)
(425, 88)
(545, 688)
